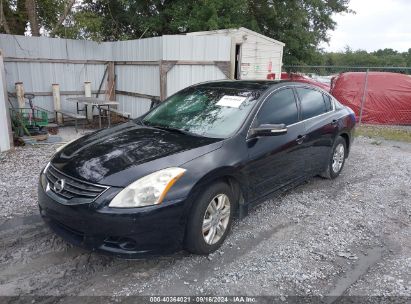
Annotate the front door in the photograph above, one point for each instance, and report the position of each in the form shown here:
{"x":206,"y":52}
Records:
{"x":275,"y":161}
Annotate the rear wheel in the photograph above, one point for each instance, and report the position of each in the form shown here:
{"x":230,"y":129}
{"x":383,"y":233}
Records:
{"x":210,"y":219}
{"x":337,"y":159}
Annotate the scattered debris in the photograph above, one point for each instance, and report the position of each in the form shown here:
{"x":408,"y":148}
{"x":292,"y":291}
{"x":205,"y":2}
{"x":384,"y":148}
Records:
{"x":347,"y":255}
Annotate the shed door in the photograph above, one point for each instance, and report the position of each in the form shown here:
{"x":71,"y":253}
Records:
{"x":237,"y":70}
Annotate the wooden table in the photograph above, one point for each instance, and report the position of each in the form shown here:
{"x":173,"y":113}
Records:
{"x":100,"y":104}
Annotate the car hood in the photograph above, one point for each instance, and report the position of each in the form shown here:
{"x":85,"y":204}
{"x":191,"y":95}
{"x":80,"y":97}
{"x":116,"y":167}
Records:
{"x":119,"y":155}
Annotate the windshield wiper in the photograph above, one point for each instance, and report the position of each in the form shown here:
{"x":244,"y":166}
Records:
{"x":176,"y":130}
{"x":140,"y":121}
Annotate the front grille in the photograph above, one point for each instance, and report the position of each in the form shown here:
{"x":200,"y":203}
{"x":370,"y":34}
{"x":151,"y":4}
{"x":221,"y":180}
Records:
{"x":73,"y":188}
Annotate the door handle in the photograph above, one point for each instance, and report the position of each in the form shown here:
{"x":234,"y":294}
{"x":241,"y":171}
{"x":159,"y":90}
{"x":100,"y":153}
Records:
{"x":334,"y":122}
{"x":300,"y":139}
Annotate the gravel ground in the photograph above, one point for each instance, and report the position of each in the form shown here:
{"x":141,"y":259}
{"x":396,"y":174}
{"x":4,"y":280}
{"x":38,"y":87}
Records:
{"x":350,"y":236}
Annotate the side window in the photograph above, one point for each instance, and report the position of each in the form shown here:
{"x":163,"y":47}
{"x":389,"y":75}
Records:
{"x":312,"y":102}
{"x":328,"y":102}
{"x":280,"y":107}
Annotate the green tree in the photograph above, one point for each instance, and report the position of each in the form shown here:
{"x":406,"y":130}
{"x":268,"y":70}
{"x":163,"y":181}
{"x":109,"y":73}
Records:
{"x":379,"y":58}
{"x":17,"y":16}
{"x":407,"y":57}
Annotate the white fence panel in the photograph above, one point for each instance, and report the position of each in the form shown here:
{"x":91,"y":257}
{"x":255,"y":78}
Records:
{"x":198,"y":48}
{"x":138,"y":50}
{"x":38,"y":77}
{"x":136,"y":106}
{"x":182,"y":76}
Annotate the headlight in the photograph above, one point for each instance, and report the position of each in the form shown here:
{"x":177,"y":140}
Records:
{"x":148,"y":190}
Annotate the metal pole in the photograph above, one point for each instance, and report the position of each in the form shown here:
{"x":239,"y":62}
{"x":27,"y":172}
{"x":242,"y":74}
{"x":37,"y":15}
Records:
{"x":364,"y":96}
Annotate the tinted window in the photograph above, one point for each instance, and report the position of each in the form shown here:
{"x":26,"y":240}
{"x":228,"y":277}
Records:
{"x":279,"y":108}
{"x":312,"y":102}
{"x":328,"y":104}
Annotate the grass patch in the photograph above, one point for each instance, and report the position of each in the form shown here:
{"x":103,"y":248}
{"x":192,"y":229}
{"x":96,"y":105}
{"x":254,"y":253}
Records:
{"x":384,"y":132}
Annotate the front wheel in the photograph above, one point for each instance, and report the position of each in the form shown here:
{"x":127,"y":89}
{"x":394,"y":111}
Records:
{"x":210,"y":219}
{"x":337,"y":160}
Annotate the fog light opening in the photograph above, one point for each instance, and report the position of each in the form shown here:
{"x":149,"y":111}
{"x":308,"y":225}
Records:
{"x":122,"y":243}
{"x":128,"y":245}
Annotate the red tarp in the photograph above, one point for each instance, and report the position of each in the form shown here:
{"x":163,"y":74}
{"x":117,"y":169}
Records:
{"x":301,"y":78}
{"x":388,"y":97}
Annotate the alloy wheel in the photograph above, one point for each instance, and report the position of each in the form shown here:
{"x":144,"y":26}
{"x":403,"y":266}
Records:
{"x":338,"y":158}
{"x":216,"y":219}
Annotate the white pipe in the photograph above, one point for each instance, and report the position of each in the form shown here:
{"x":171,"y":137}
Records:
{"x":87,"y":93}
{"x":20,"y":94}
{"x":57,"y":102}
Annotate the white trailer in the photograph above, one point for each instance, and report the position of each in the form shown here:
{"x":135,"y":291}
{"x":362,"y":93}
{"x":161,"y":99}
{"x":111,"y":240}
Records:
{"x":253,"y":56}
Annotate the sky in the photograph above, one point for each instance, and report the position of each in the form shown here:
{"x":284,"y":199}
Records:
{"x":377,"y":24}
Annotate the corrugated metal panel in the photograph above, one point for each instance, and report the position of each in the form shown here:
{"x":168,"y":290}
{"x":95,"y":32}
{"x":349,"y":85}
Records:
{"x":4,"y":127}
{"x":183,"y":76}
{"x":143,"y":50}
{"x":38,"y":77}
{"x":134,"y":105}
{"x":54,"y":48}
{"x":138,"y":79}
{"x":196,"y":48}
{"x":143,"y":79}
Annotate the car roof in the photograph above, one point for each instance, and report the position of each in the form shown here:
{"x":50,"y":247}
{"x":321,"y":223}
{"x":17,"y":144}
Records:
{"x":254,"y":85}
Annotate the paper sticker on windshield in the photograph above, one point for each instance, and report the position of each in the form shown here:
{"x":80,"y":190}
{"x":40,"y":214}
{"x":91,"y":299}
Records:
{"x":231,"y":101}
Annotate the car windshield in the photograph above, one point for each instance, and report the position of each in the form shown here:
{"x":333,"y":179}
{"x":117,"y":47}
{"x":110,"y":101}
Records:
{"x":204,"y":111}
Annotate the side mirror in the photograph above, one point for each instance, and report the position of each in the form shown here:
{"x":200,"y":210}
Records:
{"x":268,"y":130}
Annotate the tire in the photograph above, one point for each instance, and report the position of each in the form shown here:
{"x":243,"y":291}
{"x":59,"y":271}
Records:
{"x":201,"y":241}
{"x":337,"y":159}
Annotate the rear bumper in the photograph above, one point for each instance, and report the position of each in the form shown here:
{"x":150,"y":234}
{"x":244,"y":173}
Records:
{"x":127,"y":233}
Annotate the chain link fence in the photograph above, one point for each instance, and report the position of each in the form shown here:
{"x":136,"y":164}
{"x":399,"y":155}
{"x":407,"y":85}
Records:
{"x":335,"y":70}
{"x":378,"y":95}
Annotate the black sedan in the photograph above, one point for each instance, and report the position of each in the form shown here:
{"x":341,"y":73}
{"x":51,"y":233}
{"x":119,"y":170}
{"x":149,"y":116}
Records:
{"x":175,"y":177}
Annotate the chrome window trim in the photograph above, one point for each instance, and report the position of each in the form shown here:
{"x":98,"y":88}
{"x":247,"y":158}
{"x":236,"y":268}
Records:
{"x":297,"y":99}
{"x":311,"y":118}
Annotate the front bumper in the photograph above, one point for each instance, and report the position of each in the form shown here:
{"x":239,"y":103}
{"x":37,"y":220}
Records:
{"x":127,"y":233}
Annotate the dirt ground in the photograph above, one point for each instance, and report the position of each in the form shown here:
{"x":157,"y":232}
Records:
{"x":350,"y":236}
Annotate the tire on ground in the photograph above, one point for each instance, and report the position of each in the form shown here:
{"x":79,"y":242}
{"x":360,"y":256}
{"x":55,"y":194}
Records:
{"x":329,"y":172}
{"x":194,"y":240}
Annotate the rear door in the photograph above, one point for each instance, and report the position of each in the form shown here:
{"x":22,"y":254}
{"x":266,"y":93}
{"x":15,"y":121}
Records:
{"x":320,"y":127}
{"x":275,"y":161}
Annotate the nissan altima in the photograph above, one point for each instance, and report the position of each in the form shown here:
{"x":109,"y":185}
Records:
{"x":175,"y":178}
